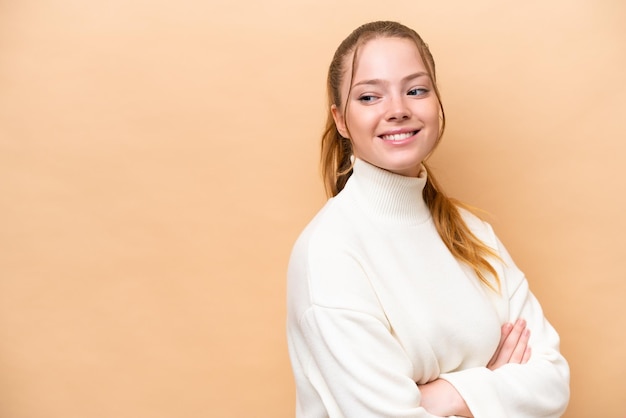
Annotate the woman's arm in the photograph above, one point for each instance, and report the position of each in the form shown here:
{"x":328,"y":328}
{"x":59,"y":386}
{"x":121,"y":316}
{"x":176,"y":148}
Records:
{"x":439,"y":397}
{"x":358,"y":366}
{"x":347,"y":361}
{"x":539,"y":387}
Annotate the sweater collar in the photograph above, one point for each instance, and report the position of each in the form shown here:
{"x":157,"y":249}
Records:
{"x":388,"y":196}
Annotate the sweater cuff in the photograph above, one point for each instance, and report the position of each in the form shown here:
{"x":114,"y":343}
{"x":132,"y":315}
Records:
{"x":483,"y":400}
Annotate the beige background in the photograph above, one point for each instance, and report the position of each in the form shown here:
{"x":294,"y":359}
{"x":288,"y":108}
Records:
{"x":159,"y":158}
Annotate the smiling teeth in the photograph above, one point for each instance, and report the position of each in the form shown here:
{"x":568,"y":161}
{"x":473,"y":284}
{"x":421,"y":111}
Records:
{"x":397,"y":137}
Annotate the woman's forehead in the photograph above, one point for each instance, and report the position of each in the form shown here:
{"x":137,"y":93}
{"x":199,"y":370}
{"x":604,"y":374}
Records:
{"x":384,"y":57}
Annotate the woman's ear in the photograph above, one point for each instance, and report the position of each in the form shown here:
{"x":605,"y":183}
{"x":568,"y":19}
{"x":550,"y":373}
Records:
{"x":340,"y":121}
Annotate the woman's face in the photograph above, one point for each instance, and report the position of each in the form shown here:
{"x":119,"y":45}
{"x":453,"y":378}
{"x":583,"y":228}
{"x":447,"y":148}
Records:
{"x":393,"y":112}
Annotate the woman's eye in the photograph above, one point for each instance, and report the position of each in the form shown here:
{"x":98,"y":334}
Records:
{"x":367,"y":98}
{"x":420,"y":91}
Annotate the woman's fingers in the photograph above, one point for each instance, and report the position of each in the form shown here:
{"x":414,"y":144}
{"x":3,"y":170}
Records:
{"x":527,"y":354}
{"x":510,"y":344}
{"x":520,"y":348}
{"x":513,"y":346}
{"x":505,"y":330}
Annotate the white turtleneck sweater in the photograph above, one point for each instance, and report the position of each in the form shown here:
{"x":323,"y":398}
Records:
{"x":376,"y":303}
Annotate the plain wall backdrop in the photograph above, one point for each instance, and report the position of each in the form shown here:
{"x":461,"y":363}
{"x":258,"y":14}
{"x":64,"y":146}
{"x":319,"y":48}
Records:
{"x":158,"y":159}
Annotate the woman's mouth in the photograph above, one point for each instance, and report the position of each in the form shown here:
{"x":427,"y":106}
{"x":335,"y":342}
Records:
{"x":398,"y":137}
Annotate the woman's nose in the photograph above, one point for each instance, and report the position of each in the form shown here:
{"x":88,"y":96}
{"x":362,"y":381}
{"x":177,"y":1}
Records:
{"x":398,"y":110}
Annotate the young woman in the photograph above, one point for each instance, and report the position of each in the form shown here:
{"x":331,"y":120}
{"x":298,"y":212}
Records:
{"x":400,"y":302}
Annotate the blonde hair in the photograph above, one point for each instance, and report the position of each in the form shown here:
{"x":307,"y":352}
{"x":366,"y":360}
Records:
{"x":336,"y":153}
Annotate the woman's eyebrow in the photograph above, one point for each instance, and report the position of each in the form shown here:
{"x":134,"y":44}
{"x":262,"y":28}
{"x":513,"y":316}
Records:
{"x":376,"y":81}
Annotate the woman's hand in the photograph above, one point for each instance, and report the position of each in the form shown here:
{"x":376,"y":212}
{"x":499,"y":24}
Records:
{"x":440,"y":398}
{"x":513,"y":346}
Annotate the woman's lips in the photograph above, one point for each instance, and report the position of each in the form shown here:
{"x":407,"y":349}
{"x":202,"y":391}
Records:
{"x":398,"y":137}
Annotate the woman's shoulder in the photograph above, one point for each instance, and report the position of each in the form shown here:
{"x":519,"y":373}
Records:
{"x":330,"y":228}
{"x":325,"y":266}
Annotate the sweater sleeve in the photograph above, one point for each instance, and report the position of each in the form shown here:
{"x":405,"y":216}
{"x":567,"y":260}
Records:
{"x":360,"y":366}
{"x":539,"y":388}
{"x":341,"y":340}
